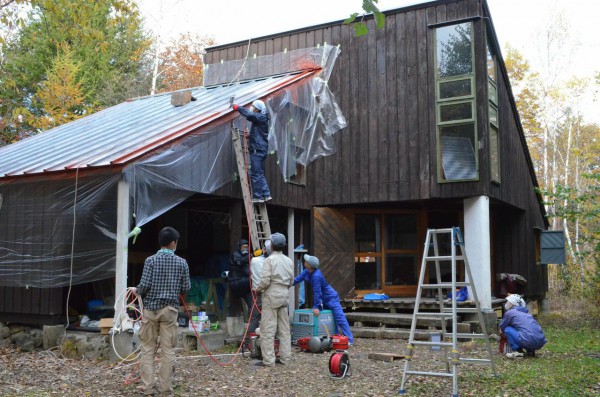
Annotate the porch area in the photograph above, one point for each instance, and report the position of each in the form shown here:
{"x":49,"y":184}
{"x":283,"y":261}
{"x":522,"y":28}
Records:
{"x":391,"y":318}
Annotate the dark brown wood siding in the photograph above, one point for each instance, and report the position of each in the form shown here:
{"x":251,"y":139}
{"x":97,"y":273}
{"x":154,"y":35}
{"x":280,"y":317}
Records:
{"x":385,"y":85}
{"x":334,"y":246}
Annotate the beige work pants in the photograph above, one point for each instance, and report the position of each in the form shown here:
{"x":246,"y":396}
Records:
{"x":275,"y":319}
{"x":161,"y":322}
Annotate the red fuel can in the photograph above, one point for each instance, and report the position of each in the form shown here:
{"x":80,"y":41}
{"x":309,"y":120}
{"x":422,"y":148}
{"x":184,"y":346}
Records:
{"x":340,"y":342}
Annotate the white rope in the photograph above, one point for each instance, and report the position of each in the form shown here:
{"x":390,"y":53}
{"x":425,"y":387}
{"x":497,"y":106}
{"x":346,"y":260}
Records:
{"x":122,"y":319}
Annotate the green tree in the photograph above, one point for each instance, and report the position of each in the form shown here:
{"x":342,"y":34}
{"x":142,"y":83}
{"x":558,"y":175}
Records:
{"x":107,"y":42}
{"x":370,"y":7}
{"x":60,"y":97}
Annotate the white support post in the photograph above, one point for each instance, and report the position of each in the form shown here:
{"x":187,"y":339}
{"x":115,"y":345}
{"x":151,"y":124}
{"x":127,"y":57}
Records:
{"x":477,"y":244}
{"x":122,"y":238}
{"x":291,"y":244}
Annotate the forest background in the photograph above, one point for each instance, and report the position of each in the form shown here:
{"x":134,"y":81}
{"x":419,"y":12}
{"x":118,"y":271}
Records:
{"x":61,"y":60}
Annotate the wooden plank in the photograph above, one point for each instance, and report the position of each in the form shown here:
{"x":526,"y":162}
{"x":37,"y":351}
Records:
{"x":333,"y":233}
{"x":424,"y":104}
{"x":387,"y":357}
{"x":404,"y":186}
{"x":412,"y":68}
{"x":434,"y":186}
{"x":391,"y":104}
{"x":345,"y":70}
{"x":361,"y":167}
{"x":373,"y":112}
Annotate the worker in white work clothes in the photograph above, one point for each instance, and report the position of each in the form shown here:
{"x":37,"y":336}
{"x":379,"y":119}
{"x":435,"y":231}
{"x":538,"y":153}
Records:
{"x":165,"y":277}
{"x":276,"y":277}
{"x":256,"y":265}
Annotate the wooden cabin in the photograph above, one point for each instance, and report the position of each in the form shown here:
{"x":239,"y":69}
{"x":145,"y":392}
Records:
{"x":432,"y":140}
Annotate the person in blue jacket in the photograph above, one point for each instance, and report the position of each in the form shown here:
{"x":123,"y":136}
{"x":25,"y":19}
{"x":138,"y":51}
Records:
{"x":258,"y":147}
{"x":324,"y":296}
{"x":523,"y":333}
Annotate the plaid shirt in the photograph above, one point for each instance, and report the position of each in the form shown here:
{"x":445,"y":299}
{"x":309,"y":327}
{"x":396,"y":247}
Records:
{"x":165,"y":276}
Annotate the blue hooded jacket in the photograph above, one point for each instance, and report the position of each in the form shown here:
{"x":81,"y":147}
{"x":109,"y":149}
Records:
{"x":323,"y":293}
{"x":259,"y":131}
{"x":530,"y":333}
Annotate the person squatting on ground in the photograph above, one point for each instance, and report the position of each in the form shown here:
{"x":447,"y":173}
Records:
{"x":276,"y":278}
{"x":324,"y":296}
{"x":258,"y":147}
{"x":164,"y":278}
{"x":521,"y":330}
{"x":256,"y":265}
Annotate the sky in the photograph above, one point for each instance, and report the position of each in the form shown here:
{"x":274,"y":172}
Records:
{"x":517,"y":22}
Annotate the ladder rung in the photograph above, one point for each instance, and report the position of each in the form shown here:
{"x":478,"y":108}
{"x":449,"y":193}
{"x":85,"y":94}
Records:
{"x":444,"y":374}
{"x":444,"y":258}
{"x":446,"y":285}
{"x":420,"y":342}
{"x":470,"y":336}
{"x":475,"y":360}
{"x":430,"y":314}
{"x":462,"y":309}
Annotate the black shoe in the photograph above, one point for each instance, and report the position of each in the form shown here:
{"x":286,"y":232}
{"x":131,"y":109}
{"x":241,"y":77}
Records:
{"x":530,"y":353}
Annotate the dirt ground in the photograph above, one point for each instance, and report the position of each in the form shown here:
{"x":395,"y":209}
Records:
{"x":46,"y":373}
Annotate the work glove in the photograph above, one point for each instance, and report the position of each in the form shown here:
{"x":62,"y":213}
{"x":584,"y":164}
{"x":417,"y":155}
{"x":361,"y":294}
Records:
{"x":235,"y":107}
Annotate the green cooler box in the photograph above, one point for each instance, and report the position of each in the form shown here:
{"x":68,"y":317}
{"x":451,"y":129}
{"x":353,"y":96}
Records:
{"x":306,"y":324}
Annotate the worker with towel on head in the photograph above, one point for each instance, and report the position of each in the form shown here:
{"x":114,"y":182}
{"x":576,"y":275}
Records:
{"x":523,"y":333}
{"x":276,"y":278}
{"x":256,"y":265}
{"x":324,"y":296}
{"x":258,"y":148}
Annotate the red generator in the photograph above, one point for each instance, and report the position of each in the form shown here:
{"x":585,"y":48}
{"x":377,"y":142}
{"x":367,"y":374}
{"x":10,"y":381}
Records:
{"x":340,"y":342}
{"x":303,"y":344}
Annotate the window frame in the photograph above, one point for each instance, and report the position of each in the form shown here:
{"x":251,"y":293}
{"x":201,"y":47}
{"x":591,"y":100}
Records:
{"x":439,"y":103}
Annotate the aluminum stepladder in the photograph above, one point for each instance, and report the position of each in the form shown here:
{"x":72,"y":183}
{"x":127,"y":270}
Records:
{"x":449,"y":340}
{"x":258,"y":219}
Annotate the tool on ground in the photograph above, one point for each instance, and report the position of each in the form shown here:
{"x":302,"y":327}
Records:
{"x":446,"y":313}
{"x":339,"y":365}
{"x":252,"y":345}
{"x":258,"y":219}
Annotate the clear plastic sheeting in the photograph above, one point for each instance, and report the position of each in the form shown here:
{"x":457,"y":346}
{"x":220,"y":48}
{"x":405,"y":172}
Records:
{"x":60,"y":229}
{"x":322,"y":57}
{"x":200,"y":163}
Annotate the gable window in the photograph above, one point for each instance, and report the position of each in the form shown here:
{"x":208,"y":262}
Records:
{"x":455,"y":104}
{"x":493,"y":115}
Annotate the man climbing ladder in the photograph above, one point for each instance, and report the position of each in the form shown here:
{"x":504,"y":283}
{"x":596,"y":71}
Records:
{"x":258,"y":148}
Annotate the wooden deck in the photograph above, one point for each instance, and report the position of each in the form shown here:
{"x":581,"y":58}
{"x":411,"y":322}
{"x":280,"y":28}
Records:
{"x":392,"y":318}
{"x":405,"y":305}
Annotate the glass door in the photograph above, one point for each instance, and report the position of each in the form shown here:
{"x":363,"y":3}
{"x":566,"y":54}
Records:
{"x":387,"y":254}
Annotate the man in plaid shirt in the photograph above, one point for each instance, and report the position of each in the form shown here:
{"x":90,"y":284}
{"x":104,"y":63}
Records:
{"x":165,"y":277}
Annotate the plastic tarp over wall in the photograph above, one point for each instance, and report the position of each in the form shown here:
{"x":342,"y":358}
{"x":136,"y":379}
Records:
{"x":57,"y":231}
{"x":61,"y":230}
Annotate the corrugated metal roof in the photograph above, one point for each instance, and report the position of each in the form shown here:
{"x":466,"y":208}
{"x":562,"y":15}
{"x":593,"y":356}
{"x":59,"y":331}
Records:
{"x":122,"y":133}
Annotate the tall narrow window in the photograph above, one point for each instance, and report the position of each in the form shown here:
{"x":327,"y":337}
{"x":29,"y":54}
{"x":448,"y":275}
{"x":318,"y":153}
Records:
{"x":493,"y":115}
{"x":455,"y":99}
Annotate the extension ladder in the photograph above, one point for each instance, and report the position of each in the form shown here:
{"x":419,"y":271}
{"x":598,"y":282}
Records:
{"x":446,"y":313}
{"x":258,"y":219}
